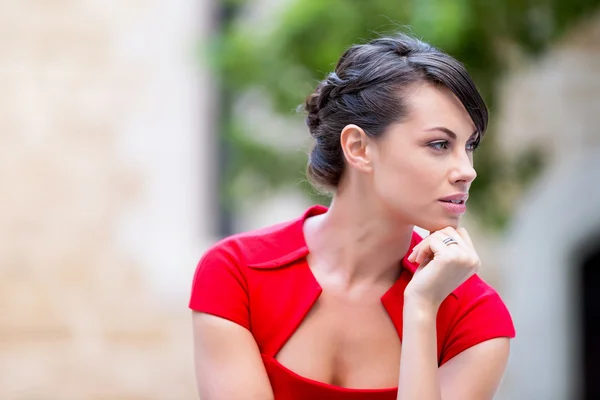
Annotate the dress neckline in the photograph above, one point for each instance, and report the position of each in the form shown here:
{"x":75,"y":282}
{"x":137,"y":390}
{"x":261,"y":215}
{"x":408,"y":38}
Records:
{"x":296,"y":258}
{"x":324,"y":385}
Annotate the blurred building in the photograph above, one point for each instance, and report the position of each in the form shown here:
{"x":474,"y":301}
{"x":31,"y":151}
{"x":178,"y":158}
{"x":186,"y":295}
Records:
{"x":107,"y":163}
{"x":550,"y":259}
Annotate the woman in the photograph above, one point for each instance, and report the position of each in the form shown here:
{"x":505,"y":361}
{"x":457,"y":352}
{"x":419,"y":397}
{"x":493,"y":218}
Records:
{"x":348,"y":302}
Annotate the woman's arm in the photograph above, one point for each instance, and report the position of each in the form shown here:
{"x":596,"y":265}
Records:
{"x":418,"y":360}
{"x":227,"y":360}
{"x":477,"y":372}
{"x":474,"y":374}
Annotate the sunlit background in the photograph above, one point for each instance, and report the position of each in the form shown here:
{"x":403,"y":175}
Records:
{"x":134,"y":134}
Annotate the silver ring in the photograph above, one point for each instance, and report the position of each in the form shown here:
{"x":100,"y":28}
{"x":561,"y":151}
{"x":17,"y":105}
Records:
{"x":450,"y":240}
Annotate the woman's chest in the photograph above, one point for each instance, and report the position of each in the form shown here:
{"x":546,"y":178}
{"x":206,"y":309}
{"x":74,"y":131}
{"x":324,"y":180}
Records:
{"x":345,"y":342}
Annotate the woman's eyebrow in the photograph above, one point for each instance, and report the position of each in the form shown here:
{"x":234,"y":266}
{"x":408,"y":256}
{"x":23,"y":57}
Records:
{"x":447,"y":131}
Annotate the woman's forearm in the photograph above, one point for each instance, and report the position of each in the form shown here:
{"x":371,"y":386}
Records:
{"x":418,"y":363}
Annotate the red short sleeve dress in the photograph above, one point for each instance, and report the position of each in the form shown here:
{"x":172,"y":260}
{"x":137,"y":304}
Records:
{"x":261,"y":281}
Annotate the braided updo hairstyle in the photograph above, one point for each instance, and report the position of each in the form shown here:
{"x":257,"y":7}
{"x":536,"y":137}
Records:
{"x":366,"y":89}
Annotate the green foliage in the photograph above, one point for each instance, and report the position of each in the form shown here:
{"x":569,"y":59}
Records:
{"x":286,"y":57}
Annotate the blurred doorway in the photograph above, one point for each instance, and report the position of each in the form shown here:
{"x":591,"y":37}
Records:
{"x":590,"y":344}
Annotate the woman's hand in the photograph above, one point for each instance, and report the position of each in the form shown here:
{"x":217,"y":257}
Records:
{"x":442,"y":267}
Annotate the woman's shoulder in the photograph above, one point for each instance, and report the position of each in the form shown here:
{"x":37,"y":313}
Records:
{"x":233,"y":268}
{"x":476,"y":314}
{"x":474,"y":297}
{"x":264,"y":248}
{"x":475,"y":288}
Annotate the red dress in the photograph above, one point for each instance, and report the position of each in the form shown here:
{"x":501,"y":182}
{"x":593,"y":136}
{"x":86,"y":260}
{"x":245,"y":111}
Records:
{"x":261,"y":281}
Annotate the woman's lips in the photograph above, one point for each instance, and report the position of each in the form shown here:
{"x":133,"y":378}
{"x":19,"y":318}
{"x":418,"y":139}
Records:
{"x":454,"y":208}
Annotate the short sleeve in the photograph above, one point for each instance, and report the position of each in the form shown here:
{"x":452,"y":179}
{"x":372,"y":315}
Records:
{"x":481,"y":315}
{"x":219,"y":287}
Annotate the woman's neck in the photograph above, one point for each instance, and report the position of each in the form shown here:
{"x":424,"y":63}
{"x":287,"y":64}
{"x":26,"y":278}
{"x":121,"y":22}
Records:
{"x":356,"y":240}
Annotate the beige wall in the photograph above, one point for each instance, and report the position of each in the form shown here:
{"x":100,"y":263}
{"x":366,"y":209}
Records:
{"x":553,"y":103}
{"x":105,"y":166}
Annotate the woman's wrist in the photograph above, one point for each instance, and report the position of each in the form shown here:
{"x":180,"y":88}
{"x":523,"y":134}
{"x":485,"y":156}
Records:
{"x":419,"y":308}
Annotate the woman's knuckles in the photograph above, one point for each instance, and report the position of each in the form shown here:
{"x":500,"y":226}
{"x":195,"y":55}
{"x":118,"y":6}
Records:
{"x":459,"y":260}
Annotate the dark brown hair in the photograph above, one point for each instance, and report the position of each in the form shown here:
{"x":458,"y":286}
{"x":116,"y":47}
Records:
{"x":366,"y":89}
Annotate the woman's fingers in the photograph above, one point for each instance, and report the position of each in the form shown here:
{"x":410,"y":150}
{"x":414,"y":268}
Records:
{"x":422,"y":251}
{"x":426,"y":249}
{"x":454,"y":234}
{"x":434,"y":243}
{"x":443,"y":265}
{"x":416,"y":255}
{"x":413,"y":254}
{"x":437,"y":244}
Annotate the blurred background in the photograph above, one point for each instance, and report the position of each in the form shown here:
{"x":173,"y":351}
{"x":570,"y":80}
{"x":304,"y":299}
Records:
{"x":135,"y":134}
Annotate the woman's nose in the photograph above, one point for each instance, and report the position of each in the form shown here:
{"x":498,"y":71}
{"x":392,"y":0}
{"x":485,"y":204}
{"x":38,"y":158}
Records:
{"x":463,"y":170}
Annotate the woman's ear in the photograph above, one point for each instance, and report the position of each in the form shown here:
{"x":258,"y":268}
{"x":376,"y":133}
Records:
{"x":356,"y":147}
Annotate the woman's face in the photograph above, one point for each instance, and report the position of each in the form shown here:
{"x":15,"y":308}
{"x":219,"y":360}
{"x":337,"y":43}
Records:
{"x":418,"y":163}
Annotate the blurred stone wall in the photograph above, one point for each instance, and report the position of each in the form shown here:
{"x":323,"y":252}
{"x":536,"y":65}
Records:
{"x":553,"y":103}
{"x":104,"y":196}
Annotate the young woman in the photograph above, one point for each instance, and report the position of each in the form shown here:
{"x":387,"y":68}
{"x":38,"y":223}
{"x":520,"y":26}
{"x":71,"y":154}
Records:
{"x":348,"y":302}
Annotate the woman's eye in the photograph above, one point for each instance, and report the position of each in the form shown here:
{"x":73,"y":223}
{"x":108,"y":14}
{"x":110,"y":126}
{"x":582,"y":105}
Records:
{"x":472,"y":145}
{"x":443,"y":145}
